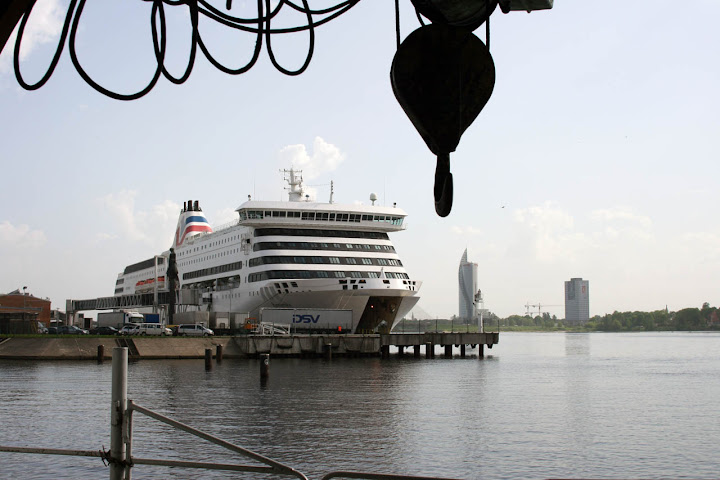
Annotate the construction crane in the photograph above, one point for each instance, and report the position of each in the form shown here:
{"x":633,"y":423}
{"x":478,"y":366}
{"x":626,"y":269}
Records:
{"x":539,"y":306}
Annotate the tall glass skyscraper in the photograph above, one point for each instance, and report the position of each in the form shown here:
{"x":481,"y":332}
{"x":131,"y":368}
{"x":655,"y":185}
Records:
{"x":467,"y":286}
{"x":577,"y":301}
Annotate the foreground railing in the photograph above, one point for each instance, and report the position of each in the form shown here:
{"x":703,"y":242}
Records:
{"x":121,"y":460}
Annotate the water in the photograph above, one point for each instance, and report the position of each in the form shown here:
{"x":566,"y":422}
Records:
{"x":640,"y":405}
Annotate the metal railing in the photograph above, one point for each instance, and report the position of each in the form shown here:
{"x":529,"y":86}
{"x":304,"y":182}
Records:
{"x":120,"y":457}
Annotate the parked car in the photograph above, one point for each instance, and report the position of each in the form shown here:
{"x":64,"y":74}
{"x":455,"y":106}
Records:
{"x":129,"y":329}
{"x":104,"y":331}
{"x":71,"y":330}
{"x":153,"y":329}
{"x":42,"y":328}
{"x":52,"y":330}
{"x":195,"y":330}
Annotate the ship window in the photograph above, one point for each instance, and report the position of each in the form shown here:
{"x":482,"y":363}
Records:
{"x":335,"y":260}
{"x":317,"y":259}
{"x":367,"y":261}
{"x":373,"y":275}
{"x":339,"y":274}
{"x":351,"y":261}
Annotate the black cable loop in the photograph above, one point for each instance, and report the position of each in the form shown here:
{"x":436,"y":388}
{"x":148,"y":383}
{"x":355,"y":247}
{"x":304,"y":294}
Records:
{"x":311,"y":47}
{"x":56,"y":56}
{"x":256,"y":52}
{"x":260,"y":26}
{"x":229,"y":20}
{"x":192,"y":6}
{"x":157,"y":5}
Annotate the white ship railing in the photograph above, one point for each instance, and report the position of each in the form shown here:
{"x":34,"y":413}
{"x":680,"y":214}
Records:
{"x":267,"y":328}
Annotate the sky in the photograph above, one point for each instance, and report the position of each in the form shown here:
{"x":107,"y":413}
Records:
{"x":596,"y":156}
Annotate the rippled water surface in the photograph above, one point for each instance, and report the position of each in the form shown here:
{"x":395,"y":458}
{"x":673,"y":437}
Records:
{"x":539,"y":405}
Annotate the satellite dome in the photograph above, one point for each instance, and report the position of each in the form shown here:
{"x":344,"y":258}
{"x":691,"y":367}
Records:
{"x":373,"y":198}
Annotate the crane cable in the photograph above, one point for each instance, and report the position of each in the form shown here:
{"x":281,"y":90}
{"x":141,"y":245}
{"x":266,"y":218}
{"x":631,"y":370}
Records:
{"x":261,"y":26}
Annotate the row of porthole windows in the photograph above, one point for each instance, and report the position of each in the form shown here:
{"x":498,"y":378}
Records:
{"x":319,"y":216}
{"x":211,"y":257}
{"x":294,"y":274}
{"x":208,"y":245}
{"x":311,"y":232}
{"x":254,"y":262}
{"x":213,"y":270}
{"x":350,"y":247}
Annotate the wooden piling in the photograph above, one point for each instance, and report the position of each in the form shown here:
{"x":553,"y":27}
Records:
{"x":429,"y":347}
{"x":264,"y":365}
{"x":481,"y":351}
{"x":416,"y":351}
{"x":462,"y":351}
{"x":448,"y":351}
{"x":100,"y":353}
{"x":219,"y":354}
{"x":208,"y":359}
{"x":328,"y":351}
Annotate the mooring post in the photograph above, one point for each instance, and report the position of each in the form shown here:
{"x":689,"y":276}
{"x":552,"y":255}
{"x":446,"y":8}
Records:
{"x":429,"y":349}
{"x":481,"y":351}
{"x":401,"y":350}
{"x":100,"y":353}
{"x":264,"y":365}
{"x":416,"y":351}
{"x":462,"y":351}
{"x":328,"y":351}
{"x":219,"y":354}
{"x":208,"y":359}
{"x":385,"y":351}
{"x":118,"y":406}
{"x":448,"y":351}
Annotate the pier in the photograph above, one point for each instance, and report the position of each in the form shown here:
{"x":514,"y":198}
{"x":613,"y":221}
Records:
{"x":85,"y":347}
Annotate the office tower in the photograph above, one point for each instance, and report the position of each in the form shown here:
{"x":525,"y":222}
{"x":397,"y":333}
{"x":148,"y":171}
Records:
{"x":577,"y":301}
{"x":467,"y":286}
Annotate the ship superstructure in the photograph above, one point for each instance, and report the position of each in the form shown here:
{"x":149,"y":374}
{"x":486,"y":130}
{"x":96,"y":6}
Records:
{"x":296,"y":254}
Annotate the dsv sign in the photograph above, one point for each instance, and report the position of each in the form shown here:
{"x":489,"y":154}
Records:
{"x":306,"y":318}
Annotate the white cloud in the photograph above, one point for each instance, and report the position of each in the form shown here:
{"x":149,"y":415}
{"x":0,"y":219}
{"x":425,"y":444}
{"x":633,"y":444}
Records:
{"x":324,"y":159}
{"x":21,"y":236}
{"x":621,"y":214}
{"x":466,"y":230}
{"x":44,"y":26}
{"x":154,"y":227}
{"x":549,"y":231}
{"x":224,"y":216}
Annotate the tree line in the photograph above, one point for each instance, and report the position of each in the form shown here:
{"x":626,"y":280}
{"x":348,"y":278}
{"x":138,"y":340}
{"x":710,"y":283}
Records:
{"x":704,"y":318}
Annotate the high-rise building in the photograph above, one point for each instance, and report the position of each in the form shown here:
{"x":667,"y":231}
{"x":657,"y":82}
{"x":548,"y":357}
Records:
{"x":467,"y":286}
{"x":577,"y":301}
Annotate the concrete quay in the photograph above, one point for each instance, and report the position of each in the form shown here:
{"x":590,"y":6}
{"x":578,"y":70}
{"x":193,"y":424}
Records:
{"x":242,"y":346}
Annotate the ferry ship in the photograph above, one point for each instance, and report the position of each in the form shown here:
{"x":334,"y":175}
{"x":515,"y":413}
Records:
{"x":295,"y":254}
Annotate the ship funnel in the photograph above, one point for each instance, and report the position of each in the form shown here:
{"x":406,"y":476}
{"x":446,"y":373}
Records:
{"x":190,"y":223}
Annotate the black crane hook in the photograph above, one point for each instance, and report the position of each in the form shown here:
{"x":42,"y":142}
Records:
{"x":442,"y":76}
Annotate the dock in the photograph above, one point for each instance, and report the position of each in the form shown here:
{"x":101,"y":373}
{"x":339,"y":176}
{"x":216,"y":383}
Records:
{"x":89,"y":347}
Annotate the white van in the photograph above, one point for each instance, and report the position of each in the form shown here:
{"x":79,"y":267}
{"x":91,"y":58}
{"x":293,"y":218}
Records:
{"x":152,"y":329}
{"x":194,"y":330}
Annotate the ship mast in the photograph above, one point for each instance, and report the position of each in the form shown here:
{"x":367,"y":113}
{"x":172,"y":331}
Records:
{"x":295,"y":189}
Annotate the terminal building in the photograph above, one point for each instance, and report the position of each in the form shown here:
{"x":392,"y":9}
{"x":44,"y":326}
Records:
{"x":577,"y":301}
{"x":20,"y":312}
{"x":467,"y":286}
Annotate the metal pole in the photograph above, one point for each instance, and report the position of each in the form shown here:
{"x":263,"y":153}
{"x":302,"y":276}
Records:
{"x":117,"y":409}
